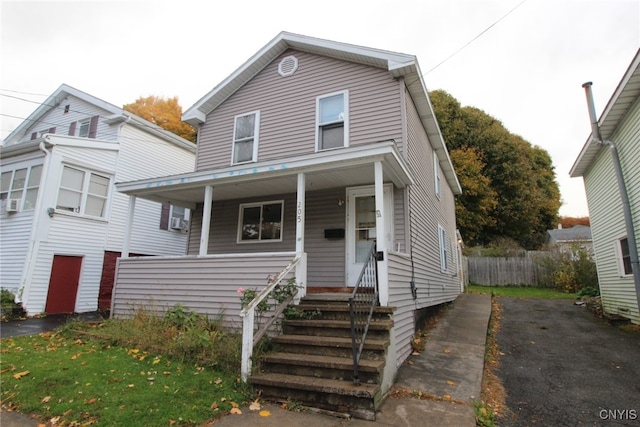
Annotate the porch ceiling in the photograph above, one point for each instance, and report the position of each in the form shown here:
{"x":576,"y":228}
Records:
{"x":339,"y":168}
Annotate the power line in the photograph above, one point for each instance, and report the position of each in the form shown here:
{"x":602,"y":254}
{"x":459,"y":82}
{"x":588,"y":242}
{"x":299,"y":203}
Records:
{"x":476,"y":37}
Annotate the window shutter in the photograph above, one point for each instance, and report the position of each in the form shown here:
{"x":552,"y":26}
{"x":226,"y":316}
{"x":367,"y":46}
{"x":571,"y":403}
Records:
{"x":34,"y":135}
{"x":164,"y":216}
{"x":72,"y":128}
{"x":52,"y":130}
{"x":93,"y":126}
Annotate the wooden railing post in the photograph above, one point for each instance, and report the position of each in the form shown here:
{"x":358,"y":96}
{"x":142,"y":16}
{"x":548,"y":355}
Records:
{"x":247,"y":343}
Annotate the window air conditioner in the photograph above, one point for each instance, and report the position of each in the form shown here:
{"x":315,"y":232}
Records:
{"x":13,"y":205}
{"x":176,"y":223}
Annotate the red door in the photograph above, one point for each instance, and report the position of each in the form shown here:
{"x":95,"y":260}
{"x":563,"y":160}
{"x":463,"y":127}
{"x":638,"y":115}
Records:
{"x":63,"y":284}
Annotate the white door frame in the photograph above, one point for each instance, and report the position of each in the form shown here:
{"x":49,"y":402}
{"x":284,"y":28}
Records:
{"x":352,"y":268}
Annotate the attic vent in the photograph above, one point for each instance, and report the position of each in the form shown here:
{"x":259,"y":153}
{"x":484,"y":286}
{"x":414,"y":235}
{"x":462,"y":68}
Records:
{"x":288,"y":66}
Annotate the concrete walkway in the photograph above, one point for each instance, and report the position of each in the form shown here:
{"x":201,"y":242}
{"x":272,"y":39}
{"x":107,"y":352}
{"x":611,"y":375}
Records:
{"x":448,"y":374}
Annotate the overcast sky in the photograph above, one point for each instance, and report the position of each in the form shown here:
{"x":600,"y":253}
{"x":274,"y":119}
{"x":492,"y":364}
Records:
{"x":526,"y":69}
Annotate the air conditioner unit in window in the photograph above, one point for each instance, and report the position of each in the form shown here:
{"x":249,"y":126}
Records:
{"x":179,"y":223}
{"x":13,"y":205}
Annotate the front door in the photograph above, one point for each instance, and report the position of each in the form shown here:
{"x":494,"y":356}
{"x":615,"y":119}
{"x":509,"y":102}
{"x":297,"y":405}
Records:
{"x":361,"y":226}
{"x":63,"y":284}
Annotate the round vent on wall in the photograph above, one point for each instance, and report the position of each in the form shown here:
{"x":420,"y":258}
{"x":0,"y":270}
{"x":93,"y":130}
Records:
{"x":288,"y":66}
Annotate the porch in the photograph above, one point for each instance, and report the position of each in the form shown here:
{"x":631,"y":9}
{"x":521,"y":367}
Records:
{"x":331,"y":206}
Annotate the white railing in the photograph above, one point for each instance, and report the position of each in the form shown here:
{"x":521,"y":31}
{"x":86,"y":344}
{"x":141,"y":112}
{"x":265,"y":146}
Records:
{"x":248,"y":319}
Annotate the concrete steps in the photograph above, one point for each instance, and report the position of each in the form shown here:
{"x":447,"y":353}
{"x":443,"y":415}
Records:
{"x":312,"y":362}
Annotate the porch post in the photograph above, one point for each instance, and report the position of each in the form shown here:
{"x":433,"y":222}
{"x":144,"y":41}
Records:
{"x":381,"y":233}
{"x":128,"y":227}
{"x":206,"y":220}
{"x":301,"y":269}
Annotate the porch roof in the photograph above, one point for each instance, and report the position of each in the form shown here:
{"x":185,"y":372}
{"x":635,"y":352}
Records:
{"x":337,"y":168}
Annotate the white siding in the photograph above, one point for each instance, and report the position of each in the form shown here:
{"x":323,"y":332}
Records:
{"x":143,"y":155}
{"x":607,"y":218}
{"x":15,"y":229}
{"x":78,"y":110}
{"x":72,"y":236}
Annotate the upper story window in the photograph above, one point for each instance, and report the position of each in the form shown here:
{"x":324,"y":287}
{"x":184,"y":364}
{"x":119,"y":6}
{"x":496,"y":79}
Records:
{"x":260,"y":222}
{"x":83,"y":192}
{"x":87,"y":128}
{"x":625,"y":257}
{"x":245,"y":138}
{"x":22,"y":186}
{"x":436,"y":174}
{"x":332,"y":121}
{"x":83,"y":128}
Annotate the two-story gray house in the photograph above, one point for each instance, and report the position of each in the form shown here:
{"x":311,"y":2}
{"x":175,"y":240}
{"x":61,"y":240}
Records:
{"x":309,"y":153}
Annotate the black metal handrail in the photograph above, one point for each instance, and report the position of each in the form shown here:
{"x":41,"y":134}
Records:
{"x":361,"y":304}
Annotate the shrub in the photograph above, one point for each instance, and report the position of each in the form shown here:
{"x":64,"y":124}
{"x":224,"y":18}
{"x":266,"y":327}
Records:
{"x":571,"y":271}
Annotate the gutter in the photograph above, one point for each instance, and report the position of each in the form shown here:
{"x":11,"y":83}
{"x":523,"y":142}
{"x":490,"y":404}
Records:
{"x":624,"y":195}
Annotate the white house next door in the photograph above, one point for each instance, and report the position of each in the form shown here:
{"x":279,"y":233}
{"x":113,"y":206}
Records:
{"x":361,"y":226}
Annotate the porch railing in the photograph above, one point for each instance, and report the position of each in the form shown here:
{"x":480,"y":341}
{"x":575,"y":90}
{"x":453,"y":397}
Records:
{"x":249,"y":338}
{"x":361,"y":304}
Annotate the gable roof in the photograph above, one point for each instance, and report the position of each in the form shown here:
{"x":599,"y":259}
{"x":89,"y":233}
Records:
{"x":625,"y":95}
{"x":115,"y":115}
{"x":398,"y":65}
{"x":577,"y":233}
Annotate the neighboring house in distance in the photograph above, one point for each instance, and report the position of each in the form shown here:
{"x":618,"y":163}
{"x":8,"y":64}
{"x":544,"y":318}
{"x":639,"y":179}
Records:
{"x":619,"y":125}
{"x":565,"y":239}
{"x":311,"y":150}
{"x":62,"y":222}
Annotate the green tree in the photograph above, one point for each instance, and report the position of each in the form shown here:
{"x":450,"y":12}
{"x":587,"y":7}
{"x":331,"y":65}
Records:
{"x":526,"y":197}
{"x":164,"y":112}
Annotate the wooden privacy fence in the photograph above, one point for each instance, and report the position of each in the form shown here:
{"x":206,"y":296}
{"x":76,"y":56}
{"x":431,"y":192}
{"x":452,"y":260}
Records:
{"x":495,"y":271}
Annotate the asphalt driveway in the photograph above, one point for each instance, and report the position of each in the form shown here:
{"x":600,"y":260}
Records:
{"x":563,"y":367}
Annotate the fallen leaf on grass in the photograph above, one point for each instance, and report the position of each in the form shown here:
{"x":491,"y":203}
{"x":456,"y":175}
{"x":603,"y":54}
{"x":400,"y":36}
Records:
{"x":265,"y":413}
{"x":21,"y":374}
{"x":45,"y":399}
{"x":218,"y":381}
{"x":214,"y":406}
{"x":235,"y":411}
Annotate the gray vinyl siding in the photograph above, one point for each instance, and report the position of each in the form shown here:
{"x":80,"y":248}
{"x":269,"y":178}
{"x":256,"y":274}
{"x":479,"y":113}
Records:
{"x":287,"y":108}
{"x":208,"y":285}
{"x":400,"y":297}
{"x":607,"y":217}
{"x":326,"y":256}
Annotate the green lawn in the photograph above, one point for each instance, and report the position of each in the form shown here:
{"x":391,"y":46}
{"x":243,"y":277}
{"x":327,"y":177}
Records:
{"x":520,"y":291}
{"x":77,"y":381}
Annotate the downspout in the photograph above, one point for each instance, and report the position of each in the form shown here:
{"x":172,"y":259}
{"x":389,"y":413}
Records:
{"x":626,"y":205}
{"x":34,"y":244}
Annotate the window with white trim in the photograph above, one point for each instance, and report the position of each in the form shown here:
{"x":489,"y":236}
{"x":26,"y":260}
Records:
{"x":83,"y":128}
{"x":83,"y":192}
{"x":436,"y":174}
{"x":245,"y":138}
{"x":444,"y":248}
{"x":260,"y":222}
{"x":625,"y":257}
{"x":332,"y":121}
{"x":21,"y":184}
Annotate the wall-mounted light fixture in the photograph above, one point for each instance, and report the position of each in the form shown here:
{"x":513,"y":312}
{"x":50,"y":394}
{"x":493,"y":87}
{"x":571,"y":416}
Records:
{"x":340,"y":202}
{"x":50,"y":212}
